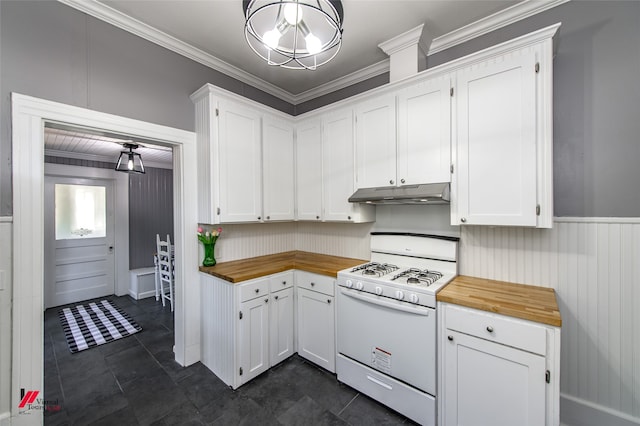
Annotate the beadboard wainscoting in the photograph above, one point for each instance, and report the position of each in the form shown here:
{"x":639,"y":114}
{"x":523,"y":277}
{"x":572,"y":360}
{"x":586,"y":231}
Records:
{"x":594,"y":266}
{"x":250,"y":240}
{"x":6,"y":246}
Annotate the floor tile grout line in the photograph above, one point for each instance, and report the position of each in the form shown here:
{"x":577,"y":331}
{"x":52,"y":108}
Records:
{"x":348,"y":404}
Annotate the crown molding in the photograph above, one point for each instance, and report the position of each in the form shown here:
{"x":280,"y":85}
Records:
{"x":404,"y":40}
{"x":345,"y":81}
{"x":136,"y":27}
{"x":500,"y":19}
{"x":483,"y":26}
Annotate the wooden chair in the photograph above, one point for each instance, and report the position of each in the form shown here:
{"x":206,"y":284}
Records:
{"x":165,"y":270}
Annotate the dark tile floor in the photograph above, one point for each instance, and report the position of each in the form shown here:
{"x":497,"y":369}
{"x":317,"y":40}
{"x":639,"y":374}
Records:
{"x":135,"y":381}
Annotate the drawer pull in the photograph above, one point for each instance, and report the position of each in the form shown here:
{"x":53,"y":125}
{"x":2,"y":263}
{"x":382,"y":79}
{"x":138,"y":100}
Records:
{"x":328,"y":300}
{"x":284,"y":283}
{"x":490,"y":329}
{"x":266,"y":300}
{"x":276,"y":297}
{"x":313,"y":284}
{"x":450,"y":338}
{"x":257,"y":290}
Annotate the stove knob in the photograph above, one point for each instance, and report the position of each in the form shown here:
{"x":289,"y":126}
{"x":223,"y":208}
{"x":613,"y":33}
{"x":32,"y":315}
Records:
{"x":399,"y":295}
{"x":379,"y":290}
{"x":349,"y":283}
{"x":413,"y":298}
{"x":359,"y":285}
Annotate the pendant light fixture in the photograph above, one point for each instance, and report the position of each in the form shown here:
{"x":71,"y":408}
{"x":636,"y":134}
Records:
{"x":294,"y":34}
{"x":129,"y":161}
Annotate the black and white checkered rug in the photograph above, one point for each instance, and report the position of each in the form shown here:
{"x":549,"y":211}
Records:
{"x":96,"y":323}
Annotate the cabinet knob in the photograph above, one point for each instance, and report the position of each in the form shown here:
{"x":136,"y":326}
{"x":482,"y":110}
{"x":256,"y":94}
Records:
{"x":257,"y":290}
{"x":317,"y":217}
{"x":391,"y":181}
{"x":284,"y":283}
{"x":349,"y":217}
{"x":312,"y":284}
{"x":259,"y":217}
{"x":402,"y":181}
{"x":268,"y":217}
{"x":276,"y":297}
{"x":490,"y":329}
{"x":450,"y":338}
{"x":328,"y":300}
{"x":266,"y":300}
{"x":463,"y":219}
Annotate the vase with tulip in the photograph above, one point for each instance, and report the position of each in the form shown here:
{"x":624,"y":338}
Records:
{"x":208,"y":240}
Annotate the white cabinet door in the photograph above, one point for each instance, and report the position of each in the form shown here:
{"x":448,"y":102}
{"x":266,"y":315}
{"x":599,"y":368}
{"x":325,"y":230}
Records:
{"x":489,"y":384}
{"x":240,"y":164}
{"x":281,"y":325}
{"x":496,"y":142}
{"x":376,"y":142}
{"x":316,"y":328}
{"x":309,"y":170}
{"x":278,"y":173}
{"x":338,"y":166}
{"x":253,"y":338}
{"x":424,"y":132}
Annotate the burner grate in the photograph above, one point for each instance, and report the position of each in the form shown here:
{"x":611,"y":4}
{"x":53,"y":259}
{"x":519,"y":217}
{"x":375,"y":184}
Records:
{"x":418,"y":276}
{"x":375,"y":269}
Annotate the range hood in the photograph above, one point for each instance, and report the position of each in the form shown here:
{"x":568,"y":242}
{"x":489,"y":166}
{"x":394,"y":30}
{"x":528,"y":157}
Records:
{"x":431,"y":193}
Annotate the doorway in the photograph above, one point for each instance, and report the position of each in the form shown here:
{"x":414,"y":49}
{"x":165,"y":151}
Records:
{"x":29,"y":116}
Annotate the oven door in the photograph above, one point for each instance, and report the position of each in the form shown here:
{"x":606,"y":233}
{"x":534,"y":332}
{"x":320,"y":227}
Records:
{"x":396,"y":338}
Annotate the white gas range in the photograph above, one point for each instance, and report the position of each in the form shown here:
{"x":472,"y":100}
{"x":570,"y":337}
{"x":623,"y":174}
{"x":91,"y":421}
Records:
{"x":386,"y":320}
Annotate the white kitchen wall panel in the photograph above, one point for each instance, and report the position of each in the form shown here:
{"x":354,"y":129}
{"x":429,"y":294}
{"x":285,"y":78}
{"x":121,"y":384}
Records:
{"x":337,"y":239}
{"x":594,"y":266}
{"x":6,"y":260}
{"x":249,"y":240}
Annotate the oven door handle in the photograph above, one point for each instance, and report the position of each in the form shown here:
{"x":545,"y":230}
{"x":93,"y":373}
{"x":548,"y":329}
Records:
{"x":376,"y":300}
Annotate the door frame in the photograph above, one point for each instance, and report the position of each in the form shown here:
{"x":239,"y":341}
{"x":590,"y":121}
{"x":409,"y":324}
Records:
{"x":29,"y":115}
{"x":120,"y":182}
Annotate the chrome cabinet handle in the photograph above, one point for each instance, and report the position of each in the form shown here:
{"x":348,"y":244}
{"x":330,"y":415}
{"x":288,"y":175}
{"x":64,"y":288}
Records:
{"x":463,"y":219}
{"x":490,"y":329}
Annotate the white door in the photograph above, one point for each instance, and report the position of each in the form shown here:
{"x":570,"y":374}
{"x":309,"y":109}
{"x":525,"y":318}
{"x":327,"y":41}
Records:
{"x":316,"y":328}
{"x":488,"y":384}
{"x":78,"y":240}
{"x":309,"y":170}
{"x":278,"y":169}
{"x":281,"y":325}
{"x":254,"y":338}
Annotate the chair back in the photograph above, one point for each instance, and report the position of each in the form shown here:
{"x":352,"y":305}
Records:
{"x":165,"y":259}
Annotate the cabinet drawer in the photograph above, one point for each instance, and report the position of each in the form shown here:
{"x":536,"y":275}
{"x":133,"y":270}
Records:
{"x":320,"y":283}
{"x":281,"y":281}
{"x":513,"y":332}
{"x":254,"y":289}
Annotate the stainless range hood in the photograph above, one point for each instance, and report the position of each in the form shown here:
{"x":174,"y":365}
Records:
{"x":431,"y":193}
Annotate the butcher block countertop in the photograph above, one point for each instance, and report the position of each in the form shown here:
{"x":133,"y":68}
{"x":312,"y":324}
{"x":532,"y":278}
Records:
{"x":256,"y":267}
{"x":515,"y":300}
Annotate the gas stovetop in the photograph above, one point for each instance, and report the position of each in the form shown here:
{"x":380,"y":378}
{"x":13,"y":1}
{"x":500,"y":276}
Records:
{"x":415,"y":277}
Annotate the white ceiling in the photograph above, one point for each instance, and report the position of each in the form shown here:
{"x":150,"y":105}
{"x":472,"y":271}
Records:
{"x":212,"y":32}
{"x":82,"y":144}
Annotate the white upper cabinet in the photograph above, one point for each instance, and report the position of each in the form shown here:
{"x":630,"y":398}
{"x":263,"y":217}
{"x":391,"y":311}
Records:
{"x":376,"y":142}
{"x":424,"y":132}
{"x":309,"y":170}
{"x":503,"y":161}
{"x":338,"y":173}
{"x":278,"y":169}
{"x":240,"y":163}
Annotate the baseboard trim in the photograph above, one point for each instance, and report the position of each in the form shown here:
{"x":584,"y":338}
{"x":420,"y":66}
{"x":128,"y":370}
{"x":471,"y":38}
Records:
{"x":579,"y":412}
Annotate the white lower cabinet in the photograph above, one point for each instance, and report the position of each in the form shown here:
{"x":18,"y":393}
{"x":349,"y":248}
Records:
{"x":316,"y":319}
{"x":496,"y":370}
{"x":281,"y":322}
{"x":253,"y":336}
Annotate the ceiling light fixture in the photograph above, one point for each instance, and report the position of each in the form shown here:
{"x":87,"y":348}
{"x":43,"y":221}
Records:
{"x":129,"y":161}
{"x":294,"y":34}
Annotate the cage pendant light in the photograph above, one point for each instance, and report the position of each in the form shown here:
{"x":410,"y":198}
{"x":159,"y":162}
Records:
{"x":294,"y":34}
{"x":129,"y":161}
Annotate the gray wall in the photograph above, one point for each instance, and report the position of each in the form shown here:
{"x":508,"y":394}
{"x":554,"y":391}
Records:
{"x":52,"y":51}
{"x":150,"y":213}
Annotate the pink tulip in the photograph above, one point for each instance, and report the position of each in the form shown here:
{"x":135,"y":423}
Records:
{"x":199,"y":230}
